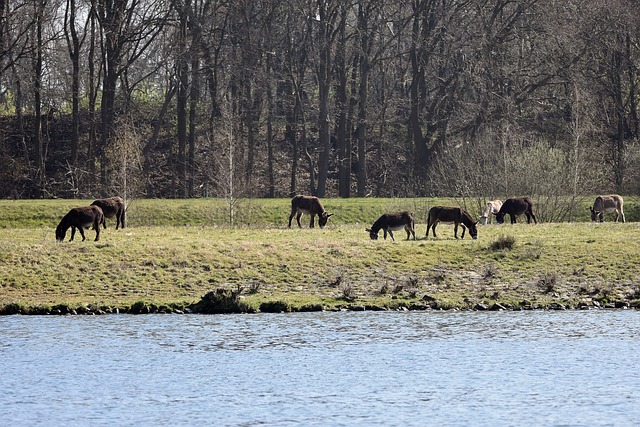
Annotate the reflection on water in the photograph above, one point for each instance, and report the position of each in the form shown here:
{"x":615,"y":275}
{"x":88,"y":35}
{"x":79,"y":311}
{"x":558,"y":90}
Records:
{"x":416,"y":368}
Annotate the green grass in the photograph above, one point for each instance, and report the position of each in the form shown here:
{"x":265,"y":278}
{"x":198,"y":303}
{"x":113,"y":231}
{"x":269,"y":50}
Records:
{"x":253,"y":212}
{"x":161,"y":267}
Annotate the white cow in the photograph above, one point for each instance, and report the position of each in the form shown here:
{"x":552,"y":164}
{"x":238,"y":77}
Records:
{"x":490,"y":209}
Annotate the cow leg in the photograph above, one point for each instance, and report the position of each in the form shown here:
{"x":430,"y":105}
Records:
{"x":410,"y":232}
{"x":298,"y":215}
{"x":433,"y":228}
{"x":622,"y":215}
{"x":311,"y":223}
{"x":390,"y":234}
{"x":464,"y":229}
{"x":81,"y":233}
{"x":513,"y":218}
{"x":291,"y":217}
{"x":73,"y":233}
{"x":616,"y":215}
{"x":601,"y":216}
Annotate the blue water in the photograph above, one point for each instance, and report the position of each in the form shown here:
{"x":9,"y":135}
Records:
{"x":326,"y":369}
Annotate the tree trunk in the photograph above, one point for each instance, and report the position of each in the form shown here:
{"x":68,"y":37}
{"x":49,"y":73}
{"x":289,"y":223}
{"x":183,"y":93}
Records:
{"x":270,"y":156}
{"x":323,"y":72}
{"x":93,"y":94}
{"x":194,"y":97}
{"x":291,"y":136}
{"x":37,"y":97}
{"x":344,"y":150}
{"x":363,"y":90}
{"x":73,"y":43}
{"x":181,"y":106}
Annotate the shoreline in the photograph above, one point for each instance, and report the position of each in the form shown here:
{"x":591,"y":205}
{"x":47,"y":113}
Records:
{"x":275,"y":307}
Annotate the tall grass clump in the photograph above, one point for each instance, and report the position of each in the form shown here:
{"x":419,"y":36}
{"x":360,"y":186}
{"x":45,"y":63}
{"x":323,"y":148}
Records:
{"x":503,"y":243}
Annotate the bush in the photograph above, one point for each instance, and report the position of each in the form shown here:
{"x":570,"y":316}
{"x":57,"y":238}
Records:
{"x":222,"y":301}
{"x":503,"y":243}
{"x":275,"y":307}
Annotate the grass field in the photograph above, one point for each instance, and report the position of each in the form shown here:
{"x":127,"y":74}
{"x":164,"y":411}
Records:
{"x":174,"y":252}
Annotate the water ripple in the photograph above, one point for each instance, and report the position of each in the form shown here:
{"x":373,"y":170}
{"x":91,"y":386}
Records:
{"x":382,"y":368}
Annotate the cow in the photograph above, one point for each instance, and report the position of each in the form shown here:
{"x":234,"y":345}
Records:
{"x":514,"y":207}
{"x":391,"y":222}
{"x":112,"y":207}
{"x":451,"y":215}
{"x":490,"y":209}
{"x":80,"y":218}
{"x":309,"y":205}
{"x":607,"y":204}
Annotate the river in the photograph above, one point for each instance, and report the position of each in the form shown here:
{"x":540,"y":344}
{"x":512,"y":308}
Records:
{"x":569,"y":368}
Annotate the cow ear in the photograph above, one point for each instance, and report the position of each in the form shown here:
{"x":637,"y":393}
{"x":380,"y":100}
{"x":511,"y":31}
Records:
{"x":368,"y":230}
{"x":328,"y":215}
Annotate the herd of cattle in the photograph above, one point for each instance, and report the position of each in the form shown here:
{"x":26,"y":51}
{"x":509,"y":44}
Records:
{"x":390,"y":222}
{"x":95,"y":215}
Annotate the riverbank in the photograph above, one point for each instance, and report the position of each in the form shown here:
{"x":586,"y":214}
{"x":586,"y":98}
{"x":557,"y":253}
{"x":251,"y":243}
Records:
{"x":211,"y":269}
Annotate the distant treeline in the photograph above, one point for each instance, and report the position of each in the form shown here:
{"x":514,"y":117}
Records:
{"x":270,"y":98}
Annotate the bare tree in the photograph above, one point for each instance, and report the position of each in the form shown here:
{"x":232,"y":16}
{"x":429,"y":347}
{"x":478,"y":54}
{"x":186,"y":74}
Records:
{"x":128,"y":28}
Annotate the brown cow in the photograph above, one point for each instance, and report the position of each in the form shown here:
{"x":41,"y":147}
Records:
{"x":607,"y":204}
{"x":451,"y":215}
{"x":80,"y":218}
{"x":310,"y":205}
{"x":393,"y":222}
{"x":112,"y":207}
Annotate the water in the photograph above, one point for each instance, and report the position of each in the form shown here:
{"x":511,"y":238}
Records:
{"x":326,"y":369}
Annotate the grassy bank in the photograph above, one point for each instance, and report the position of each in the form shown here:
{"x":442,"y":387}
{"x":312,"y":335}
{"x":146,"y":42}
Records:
{"x":268,"y":267}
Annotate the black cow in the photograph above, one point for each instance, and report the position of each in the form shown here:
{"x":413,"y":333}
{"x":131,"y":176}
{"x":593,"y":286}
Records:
{"x":514,"y":207}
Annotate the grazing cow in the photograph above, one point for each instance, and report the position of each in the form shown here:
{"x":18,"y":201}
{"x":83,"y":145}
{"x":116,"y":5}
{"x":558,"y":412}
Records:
{"x":80,"y":218}
{"x":607,"y":204}
{"x":393,"y":222}
{"x":490,"y":209}
{"x":451,"y":215}
{"x":514,"y":207}
{"x":310,"y":205}
{"x":112,"y":207}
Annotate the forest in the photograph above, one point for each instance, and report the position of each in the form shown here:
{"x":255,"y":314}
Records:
{"x":335,"y":98}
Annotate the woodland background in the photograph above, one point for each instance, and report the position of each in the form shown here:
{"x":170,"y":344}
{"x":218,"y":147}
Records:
{"x":250,"y":98}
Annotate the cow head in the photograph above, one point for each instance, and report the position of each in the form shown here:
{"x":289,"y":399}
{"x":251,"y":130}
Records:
{"x":500,"y":217}
{"x":323,"y":218}
{"x":473,"y":230}
{"x":372,"y":234}
{"x":60,"y":233}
